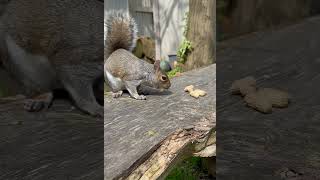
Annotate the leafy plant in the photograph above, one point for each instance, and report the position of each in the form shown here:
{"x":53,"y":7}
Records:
{"x":186,"y":26}
{"x":187,"y":170}
{"x":174,"y":72}
{"x":186,"y":46}
{"x":184,"y":49}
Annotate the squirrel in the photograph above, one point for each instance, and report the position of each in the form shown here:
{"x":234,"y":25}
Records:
{"x":123,"y":70}
{"x":48,"y":45}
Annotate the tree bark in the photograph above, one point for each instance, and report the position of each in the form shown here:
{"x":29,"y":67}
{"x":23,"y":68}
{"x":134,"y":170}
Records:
{"x":251,"y":15}
{"x":201,"y":33}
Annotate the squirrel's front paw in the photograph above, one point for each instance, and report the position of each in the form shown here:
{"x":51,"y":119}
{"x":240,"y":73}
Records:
{"x":117,"y":94}
{"x":38,"y":103}
{"x":33,"y":105}
{"x":141,"y":97}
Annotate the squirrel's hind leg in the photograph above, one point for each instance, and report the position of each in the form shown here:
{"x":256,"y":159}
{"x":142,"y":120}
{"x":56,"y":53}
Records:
{"x":78,"y":79}
{"x":131,"y":86}
{"x":83,"y":95}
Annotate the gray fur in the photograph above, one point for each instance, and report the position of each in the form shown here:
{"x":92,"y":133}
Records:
{"x":123,"y":70}
{"x":125,"y":22}
{"x":49,"y":44}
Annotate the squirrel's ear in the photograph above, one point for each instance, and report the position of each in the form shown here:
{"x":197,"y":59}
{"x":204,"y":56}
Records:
{"x":157,"y":65}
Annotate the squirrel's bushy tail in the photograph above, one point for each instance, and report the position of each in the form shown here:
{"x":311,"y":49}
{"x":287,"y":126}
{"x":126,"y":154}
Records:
{"x":120,"y":32}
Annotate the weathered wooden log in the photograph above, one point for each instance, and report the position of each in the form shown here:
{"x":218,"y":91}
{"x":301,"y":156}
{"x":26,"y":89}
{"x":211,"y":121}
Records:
{"x":147,"y":138}
{"x":59,"y":143}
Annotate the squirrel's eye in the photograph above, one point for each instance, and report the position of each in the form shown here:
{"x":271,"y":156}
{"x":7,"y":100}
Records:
{"x":163,"y":78}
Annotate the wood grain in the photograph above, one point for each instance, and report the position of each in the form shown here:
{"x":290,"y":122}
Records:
{"x":60,"y":143}
{"x":251,"y":145}
{"x":133,"y":128}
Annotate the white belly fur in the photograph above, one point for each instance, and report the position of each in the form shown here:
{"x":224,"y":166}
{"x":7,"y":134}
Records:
{"x":115,"y":83}
{"x":34,"y":71}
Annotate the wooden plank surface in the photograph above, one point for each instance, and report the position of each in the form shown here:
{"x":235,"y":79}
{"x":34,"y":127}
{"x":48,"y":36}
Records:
{"x":133,"y":128}
{"x":60,"y":143}
{"x":286,"y":143}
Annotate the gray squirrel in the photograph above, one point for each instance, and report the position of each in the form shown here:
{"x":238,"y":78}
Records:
{"x":48,"y":45}
{"x":123,"y":70}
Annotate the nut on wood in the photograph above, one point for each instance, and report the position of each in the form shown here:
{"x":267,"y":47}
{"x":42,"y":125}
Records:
{"x":278,"y":98}
{"x":262,"y":99}
{"x":195,"y":93}
{"x":189,"y":88}
{"x":258,"y":102}
{"x":244,"y":86}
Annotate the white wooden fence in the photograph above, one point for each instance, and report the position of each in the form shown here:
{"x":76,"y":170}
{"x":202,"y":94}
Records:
{"x":171,"y":15}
